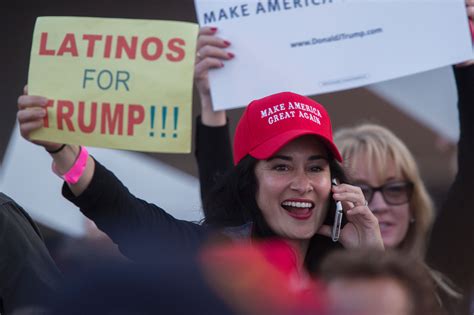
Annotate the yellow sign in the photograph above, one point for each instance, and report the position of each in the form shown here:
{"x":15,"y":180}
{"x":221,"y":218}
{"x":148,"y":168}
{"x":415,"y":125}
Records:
{"x":115,"y":83}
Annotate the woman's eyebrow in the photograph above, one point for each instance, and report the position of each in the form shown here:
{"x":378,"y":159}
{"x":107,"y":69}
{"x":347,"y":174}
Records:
{"x":280,"y":157}
{"x":318,"y":157}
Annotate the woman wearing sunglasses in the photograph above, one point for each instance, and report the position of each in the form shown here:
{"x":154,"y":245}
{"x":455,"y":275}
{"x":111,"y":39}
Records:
{"x":382,"y":166}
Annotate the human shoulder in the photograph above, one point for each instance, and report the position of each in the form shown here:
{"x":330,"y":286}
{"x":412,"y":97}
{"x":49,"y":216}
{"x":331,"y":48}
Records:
{"x":5,"y":199}
{"x":7,"y":203}
{"x":14,"y":216}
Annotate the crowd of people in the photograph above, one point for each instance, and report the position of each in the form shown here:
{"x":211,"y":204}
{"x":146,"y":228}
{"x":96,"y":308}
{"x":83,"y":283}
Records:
{"x":269,"y":204}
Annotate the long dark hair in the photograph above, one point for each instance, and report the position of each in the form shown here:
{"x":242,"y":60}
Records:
{"x":232,"y":202}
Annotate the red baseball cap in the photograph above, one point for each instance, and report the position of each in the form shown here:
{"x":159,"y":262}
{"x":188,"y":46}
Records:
{"x":271,"y":122}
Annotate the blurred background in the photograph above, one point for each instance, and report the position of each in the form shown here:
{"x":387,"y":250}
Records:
{"x":420,"y":109}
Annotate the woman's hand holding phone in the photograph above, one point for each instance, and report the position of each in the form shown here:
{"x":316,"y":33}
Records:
{"x":362,"y":228}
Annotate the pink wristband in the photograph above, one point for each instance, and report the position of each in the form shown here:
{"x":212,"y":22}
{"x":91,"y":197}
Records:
{"x":75,"y":172}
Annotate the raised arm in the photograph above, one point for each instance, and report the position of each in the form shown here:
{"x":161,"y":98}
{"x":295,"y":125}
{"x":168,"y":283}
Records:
{"x":450,"y":247}
{"x":31,"y":113}
{"x":452,"y":238}
{"x":132,"y":223}
{"x":213,"y":147}
{"x":211,"y":54}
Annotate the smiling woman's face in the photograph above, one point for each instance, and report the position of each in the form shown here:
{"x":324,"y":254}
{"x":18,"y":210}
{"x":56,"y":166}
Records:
{"x":294,"y":187}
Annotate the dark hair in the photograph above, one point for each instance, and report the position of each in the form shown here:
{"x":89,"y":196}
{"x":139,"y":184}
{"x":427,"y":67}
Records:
{"x":232,"y":202}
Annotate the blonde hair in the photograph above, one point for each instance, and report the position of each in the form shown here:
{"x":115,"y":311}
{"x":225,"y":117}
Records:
{"x":377,"y":146}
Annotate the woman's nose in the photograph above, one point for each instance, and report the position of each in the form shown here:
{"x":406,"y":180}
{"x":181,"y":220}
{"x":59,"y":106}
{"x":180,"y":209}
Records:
{"x":301,"y":183}
{"x":378,"y":202}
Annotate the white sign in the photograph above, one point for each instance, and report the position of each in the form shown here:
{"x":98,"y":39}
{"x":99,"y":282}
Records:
{"x":318,"y":46}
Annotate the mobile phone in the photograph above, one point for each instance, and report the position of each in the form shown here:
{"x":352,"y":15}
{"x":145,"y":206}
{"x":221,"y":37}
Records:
{"x":336,"y":226}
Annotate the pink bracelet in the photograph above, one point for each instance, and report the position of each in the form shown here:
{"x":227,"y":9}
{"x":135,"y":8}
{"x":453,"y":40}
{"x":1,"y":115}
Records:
{"x":75,"y":172}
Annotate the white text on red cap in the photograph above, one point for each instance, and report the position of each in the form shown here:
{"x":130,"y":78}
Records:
{"x":283,"y":111}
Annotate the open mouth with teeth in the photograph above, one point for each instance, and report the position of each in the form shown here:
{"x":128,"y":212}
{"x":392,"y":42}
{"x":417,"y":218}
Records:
{"x":300,"y":210}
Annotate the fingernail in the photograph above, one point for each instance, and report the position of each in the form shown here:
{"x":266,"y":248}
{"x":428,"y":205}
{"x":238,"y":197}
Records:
{"x":222,"y":64}
{"x":214,"y":29}
{"x":231,"y":55}
{"x":44,"y":101}
{"x":226,"y":43}
{"x":43,"y":113}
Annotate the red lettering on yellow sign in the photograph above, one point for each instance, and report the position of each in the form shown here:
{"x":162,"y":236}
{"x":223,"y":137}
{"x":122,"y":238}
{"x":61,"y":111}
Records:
{"x":119,"y":47}
{"x":94,"y":116}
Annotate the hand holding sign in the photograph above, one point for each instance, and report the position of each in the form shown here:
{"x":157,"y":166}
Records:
{"x":114,"y":82}
{"x":470,"y":9}
{"x":470,"y":16}
{"x":31,"y":113}
{"x":211,"y":54}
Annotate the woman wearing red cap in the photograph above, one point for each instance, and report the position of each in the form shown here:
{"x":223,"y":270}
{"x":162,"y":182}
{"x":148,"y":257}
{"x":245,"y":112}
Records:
{"x":284,"y":155}
{"x":280,"y":186}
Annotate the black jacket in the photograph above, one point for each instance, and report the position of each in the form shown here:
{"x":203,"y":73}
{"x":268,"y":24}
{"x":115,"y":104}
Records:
{"x":451,"y":247}
{"x":142,"y":231}
{"x":28,"y":275}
